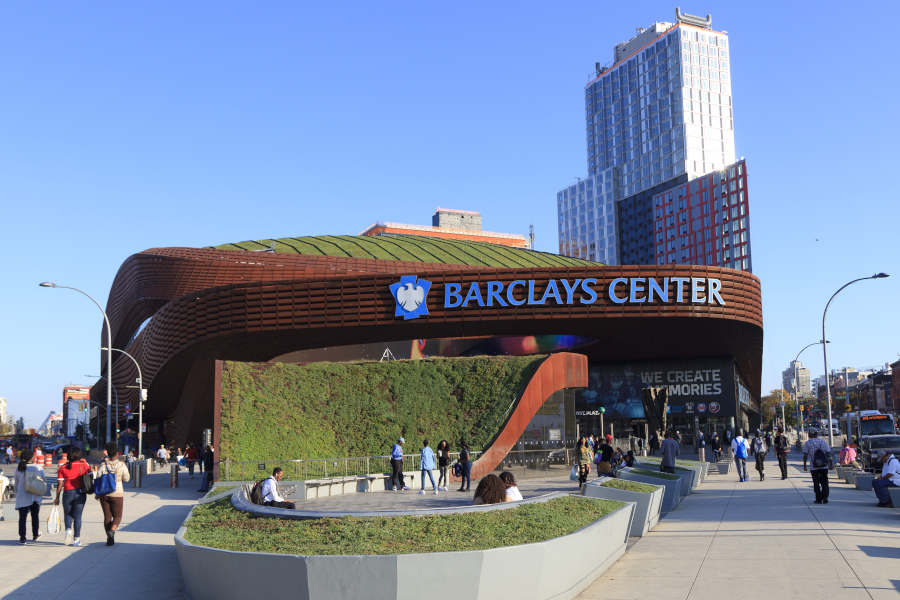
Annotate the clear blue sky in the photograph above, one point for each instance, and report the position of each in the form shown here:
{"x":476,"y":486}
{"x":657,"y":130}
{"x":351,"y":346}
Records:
{"x":129,"y":126}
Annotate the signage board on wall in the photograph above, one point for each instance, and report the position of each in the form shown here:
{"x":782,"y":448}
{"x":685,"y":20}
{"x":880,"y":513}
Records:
{"x":701,"y":386}
{"x":411,"y":293}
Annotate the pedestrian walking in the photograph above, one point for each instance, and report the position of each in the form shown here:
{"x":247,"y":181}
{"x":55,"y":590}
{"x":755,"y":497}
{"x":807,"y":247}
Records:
{"x":443,"y":456}
{"x":890,"y":476}
{"x":583,"y":457}
{"x":701,"y":446}
{"x":191,"y":456}
{"x":208,"y":460}
{"x":70,"y":484}
{"x":397,"y":465}
{"x":112,"y":503}
{"x":654,"y":443}
{"x":426,"y":466}
{"x":670,"y":450}
{"x":603,"y":458}
{"x":728,"y":439}
{"x":716,"y":445}
{"x":818,"y":452}
{"x":10,"y":455}
{"x":759,"y":451}
{"x":782,"y":447}
{"x":465,"y":466}
{"x":739,"y":450}
{"x":30,"y":488}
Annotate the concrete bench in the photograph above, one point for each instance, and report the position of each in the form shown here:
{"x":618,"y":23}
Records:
{"x":338,"y":486}
{"x":894,"y":492}
{"x":864,"y":481}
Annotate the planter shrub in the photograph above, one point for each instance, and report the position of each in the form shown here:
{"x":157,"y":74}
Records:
{"x":647,"y":499}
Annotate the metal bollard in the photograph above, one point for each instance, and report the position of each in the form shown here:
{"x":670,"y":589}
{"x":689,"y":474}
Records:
{"x":137,"y":472}
{"x":173,"y":475}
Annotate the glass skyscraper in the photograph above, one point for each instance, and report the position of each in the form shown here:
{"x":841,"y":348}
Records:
{"x":659,"y":116}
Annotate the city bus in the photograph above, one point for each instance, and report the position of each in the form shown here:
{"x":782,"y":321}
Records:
{"x":857,"y":425}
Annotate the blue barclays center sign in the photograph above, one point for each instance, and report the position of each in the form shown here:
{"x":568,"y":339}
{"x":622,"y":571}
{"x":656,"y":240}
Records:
{"x":410,"y":293}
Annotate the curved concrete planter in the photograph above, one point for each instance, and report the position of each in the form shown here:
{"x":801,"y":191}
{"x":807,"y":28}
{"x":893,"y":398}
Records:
{"x":672,"y":497}
{"x":647,"y":506}
{"x":551,"y":569}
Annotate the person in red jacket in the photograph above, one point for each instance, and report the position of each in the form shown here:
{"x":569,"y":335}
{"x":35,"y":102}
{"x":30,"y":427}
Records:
{"x":70,"y":479}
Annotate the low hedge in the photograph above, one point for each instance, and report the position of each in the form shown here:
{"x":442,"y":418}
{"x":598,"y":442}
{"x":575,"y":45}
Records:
{"x":220,"y":525}
{"x":328,"y":410}
{"x":629,"y":486}
{"x":659,"y":474}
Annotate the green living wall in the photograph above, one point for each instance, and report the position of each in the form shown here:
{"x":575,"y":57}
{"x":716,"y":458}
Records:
{"x":325,"y":410}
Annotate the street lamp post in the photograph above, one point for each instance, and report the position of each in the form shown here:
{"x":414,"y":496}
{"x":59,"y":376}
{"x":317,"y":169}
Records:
{"x":823,"y":341}
{"x":825,"y":347}
{"x":116,"y":392}
{"x":140,"y":380}
{"x":50,"y":284}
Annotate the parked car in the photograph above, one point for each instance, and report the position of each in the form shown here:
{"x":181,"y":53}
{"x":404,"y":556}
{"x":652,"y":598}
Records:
{"x":871,"y":446}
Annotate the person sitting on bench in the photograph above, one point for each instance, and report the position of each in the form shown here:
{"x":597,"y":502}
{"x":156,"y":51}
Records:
{"x":269,"y":491}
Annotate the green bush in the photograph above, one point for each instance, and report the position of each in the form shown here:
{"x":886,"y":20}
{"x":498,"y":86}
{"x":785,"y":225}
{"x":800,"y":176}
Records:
{"x":327,"y":410}
{"x":629,"y":486}
{"x":659,"y":474}
{"x":219,"y":525}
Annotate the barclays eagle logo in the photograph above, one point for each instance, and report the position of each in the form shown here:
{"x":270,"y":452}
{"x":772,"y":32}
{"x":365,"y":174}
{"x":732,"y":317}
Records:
{"x":410,"y":295}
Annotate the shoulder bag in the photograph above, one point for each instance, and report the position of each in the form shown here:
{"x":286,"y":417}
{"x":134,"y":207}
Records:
{"x":105,"y":483}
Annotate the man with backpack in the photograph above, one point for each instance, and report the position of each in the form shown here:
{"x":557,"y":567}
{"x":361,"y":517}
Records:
{"x":819,"y":454}
{"x":268,"y":491}
{"x":739,"y":450}
{"x":760,"y":448}
{"x":782,"y":447}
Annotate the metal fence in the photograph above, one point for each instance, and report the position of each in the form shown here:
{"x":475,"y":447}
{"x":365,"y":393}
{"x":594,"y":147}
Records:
{"x":319,"y":468}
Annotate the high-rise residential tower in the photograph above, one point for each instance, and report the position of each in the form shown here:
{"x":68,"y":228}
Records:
{"x":658,"y":117}
{"x":795,"y":379}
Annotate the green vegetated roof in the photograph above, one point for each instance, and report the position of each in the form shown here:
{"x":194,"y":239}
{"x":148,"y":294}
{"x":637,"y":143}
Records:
{"x":412,"y":248}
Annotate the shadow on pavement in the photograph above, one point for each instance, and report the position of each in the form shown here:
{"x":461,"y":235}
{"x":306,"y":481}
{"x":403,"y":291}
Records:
{"x":881,"y":551}
{"x":135,"y":570}
{"x":165,"y":519}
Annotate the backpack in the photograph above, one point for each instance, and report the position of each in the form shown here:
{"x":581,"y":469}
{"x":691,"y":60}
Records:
{"x":820,"y":459}
{"x":256,"y":492}
{"x":740,"y":450}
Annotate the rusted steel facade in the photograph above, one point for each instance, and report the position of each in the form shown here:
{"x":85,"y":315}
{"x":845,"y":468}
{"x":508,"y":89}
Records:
{"x":205,"y":305}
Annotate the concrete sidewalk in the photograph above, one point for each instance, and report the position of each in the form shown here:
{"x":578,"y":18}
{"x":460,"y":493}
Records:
{"x":142,"y":563}
{"x":734,"y":541}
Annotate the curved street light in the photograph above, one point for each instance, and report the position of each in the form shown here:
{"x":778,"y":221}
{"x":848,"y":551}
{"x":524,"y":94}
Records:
{"x":794,"y":387}
{"x":825,"y":348}
{"x":140,"y":383}
{"x":50,"y":284}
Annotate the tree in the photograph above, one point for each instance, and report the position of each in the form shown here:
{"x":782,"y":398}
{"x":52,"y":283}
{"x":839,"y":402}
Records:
{"x":771,"y":405}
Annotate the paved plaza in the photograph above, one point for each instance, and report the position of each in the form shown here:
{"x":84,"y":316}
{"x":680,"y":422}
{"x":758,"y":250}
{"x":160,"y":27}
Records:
{"x":736,"y":541}
{"x":727,"y":540}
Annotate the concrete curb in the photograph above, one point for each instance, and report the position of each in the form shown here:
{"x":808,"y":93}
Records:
{"x":647,"y":506}
{"x":543,"y":570}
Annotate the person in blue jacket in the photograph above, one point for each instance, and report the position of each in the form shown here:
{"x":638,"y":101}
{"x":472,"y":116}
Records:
{"x":397,"y":466}
{"x":426,"y":463}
